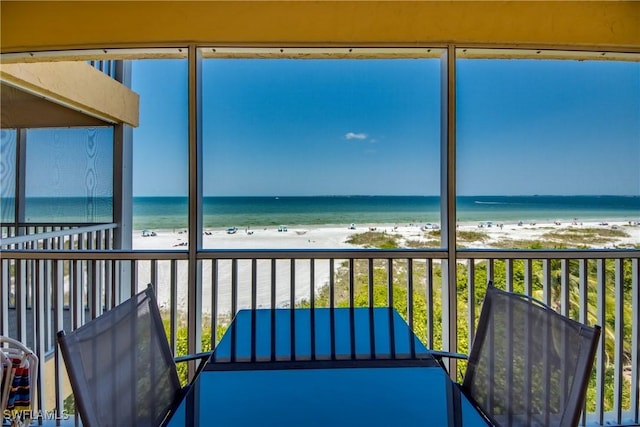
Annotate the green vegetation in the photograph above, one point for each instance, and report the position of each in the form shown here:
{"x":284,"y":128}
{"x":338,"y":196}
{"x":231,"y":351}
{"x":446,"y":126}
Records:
{"x":417,"y":244}
{"x":471,"y":236}
{"x":584,"y":236}
{"x":375,"y":239}
{"x":182,"y":342}
{"x":527,"y":244}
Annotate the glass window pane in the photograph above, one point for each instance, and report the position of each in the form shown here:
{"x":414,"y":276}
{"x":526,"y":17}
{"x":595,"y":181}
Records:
{"x":69,"y":175}
{"x":160,"y":154}
{"x":548,"y":153}
{"x":7,"y":174}
{"x":327,"y":148}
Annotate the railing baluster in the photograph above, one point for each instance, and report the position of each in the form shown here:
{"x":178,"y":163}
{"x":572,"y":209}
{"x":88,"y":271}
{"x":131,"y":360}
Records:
{"x":412,"y":344}
{"x":153,"y":274}
{"x":332,"y":305}
{"x":58,"y":325}
{"x":392,"y":338}
{"x":292,"y":320}
{"x":600,"y":360}
{"x":312,"y":304}
{"x":430,"y":302}
{"x":528,"y":277}
{"x":546,"y":282}
{"x":76,"y":294}
{"x":372,"y":332}
{"x":508,"y":274}
{"x":21,"y":300}
{"x":41,"y":332}
{"x":114,"y":297}
{"x":390,"y":283}
{"x":94,"y":289}
{"x":273,"y":309}
{"x":564,"y":288}
{"x":133,"y":288}
{"x":564,"y":310}
{"x":352,"y":326}
{"x":490,"y":270}
{"x":173,"y":310}
{"x":5,"y":267}
{"x":471,"y":300}
{"x":635,"y":341}
{"x":618,"y":356}
{"x":583,"y":278}
{"x":214,"y":303}
{"x":234,"y":306}
{"x":254,"y":285}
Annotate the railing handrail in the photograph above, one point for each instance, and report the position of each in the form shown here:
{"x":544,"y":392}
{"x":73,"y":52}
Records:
{"x":546,"y":253}
{"x":54,"y":234}
{"x":108,"y":254}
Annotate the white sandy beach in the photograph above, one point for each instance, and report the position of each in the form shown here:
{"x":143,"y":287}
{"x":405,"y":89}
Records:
{"x":317,"y":237}
{"x":335,"y":236}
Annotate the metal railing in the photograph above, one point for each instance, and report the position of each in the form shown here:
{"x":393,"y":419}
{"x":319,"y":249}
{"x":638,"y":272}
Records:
{"x":47,"y":290}
{"x":52,"y":236}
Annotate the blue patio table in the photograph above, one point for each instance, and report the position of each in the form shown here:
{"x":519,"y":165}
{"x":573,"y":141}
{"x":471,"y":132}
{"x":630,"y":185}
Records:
{"x":323,"y":367}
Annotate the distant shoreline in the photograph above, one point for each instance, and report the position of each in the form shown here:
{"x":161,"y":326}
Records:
{"x":327,"y":236}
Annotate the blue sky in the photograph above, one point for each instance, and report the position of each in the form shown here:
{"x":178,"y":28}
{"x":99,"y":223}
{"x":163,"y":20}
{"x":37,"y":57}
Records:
{"x":309,"y":127}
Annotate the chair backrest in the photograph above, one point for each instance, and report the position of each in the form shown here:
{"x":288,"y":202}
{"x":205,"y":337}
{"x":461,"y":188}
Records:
{"x":120,"y":366}
{"x":528,"y":364}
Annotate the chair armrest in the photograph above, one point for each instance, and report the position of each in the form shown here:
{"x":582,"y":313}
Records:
{"x":439,"y":355}
{"x":190,"y":357}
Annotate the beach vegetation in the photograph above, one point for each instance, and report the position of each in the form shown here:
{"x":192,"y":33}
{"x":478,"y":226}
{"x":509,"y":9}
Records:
{"x":375,"y":239}
{"x":464,"y":236}
{"x":527,"y":244}
{"x":417,"y":244}
{"x":433,"y":234}
{"x":586,"y":236}
{"x":182,"y":343}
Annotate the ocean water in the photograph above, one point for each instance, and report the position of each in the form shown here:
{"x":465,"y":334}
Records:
{"x":166,"y":213}
{"x":171,"y":212}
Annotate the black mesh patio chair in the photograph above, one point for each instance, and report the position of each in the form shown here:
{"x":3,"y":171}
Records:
{"x":120,"y":366}
{"x":528,"y":365}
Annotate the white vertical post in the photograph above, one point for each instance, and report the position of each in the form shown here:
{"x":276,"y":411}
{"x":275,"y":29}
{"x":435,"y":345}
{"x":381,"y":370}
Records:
{"x":195,"y":205}
{"x":123,"y":188}
{"x":448,"y":202}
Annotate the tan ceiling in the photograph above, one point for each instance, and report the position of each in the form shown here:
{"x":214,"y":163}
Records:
{"x":57,"y":25}
{"x":63,"y":94}
{"x":21,"y":109}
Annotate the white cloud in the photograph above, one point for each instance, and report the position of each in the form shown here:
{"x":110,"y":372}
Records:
{"x":353,"y":135}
